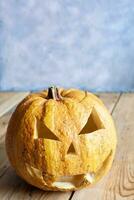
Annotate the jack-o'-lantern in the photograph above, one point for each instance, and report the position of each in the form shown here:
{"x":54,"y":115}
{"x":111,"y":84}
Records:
{"x":61,"y":139}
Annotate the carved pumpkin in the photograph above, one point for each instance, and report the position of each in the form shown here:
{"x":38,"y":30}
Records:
{"x":61,"y":139}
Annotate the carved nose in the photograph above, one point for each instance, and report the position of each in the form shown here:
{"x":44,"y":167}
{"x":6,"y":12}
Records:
{"x":71,"y":149}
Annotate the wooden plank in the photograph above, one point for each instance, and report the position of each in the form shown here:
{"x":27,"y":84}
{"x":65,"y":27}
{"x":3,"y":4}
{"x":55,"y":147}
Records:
{"x":119,"y":183}
{"x":3,"y":124}
{"x":5,"y":100}
{"x":12,"y":187}
{"x":109,"y":99}
{"x":9,"y":100}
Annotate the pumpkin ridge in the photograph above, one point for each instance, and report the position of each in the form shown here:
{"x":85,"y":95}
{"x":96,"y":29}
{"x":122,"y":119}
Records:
{"x":14,"y":125}
{"x":28,"y":137}
{"x":86,"y":94}
{"x":72,"y":119}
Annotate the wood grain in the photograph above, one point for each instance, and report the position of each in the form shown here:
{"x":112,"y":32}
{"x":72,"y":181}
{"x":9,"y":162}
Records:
{"x":119,"y":183}
{"x":7,"y":102}
{"x":10,"y":99}
{"x":12,"y":187}
{"x":122,"y":187}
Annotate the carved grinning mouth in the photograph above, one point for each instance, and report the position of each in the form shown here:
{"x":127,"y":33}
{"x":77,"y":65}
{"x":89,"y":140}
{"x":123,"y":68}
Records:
{"x":75,"y":181}
{"x":70,"y":182}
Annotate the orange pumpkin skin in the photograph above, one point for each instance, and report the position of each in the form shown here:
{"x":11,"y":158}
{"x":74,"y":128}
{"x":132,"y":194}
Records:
{"x":61,"y":139}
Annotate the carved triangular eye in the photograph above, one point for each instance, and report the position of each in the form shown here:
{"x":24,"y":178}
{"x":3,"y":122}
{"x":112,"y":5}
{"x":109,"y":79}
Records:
{"x":71,"y":149}
{"x":93,"y":123}
{"x":41,"y":131}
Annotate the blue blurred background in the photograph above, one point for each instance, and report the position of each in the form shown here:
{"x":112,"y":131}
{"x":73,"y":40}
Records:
{"x":88,"y":44}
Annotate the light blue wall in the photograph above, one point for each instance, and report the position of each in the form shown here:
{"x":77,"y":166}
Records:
{"x":87,"y":44}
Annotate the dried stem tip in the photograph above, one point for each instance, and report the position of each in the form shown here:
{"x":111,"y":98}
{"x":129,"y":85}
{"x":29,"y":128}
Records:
{"x":53,"y":93}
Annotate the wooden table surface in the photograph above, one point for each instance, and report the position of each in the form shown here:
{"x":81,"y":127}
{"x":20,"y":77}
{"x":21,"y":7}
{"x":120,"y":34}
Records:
{"x":117,"y":185}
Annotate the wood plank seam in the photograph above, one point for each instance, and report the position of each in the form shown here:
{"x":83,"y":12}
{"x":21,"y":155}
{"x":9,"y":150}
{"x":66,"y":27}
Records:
{"x":116,"y":103}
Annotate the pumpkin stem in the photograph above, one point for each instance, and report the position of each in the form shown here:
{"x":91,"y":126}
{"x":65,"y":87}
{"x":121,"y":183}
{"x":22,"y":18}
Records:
{"x":53,"y":93}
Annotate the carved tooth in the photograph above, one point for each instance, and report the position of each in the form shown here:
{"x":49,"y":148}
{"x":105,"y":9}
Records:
{"x":63,"y":185}
{"x":89,"y":177}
